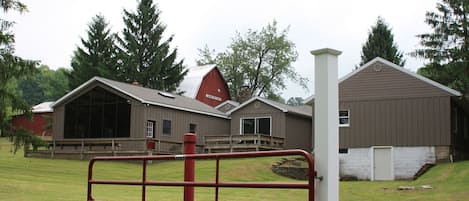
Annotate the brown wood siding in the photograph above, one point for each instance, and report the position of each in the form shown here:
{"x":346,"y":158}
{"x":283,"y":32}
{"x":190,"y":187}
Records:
{"x":386,"y":83}
{"x":180,"y":120}
{"x":59,"y":120}
{"x":260,"y":109}
{"x":299,"y":132}
{"x":397,"y":122}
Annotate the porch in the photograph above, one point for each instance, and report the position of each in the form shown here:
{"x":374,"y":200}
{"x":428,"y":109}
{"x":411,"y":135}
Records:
{"x":245,"y":142}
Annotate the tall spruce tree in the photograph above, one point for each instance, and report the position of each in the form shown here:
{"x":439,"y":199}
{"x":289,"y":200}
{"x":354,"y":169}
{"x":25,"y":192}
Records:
{"x":146,"y":57}
{"x":446,"y":49}
{"x":380,"y":43}
{"x":97,"y":57}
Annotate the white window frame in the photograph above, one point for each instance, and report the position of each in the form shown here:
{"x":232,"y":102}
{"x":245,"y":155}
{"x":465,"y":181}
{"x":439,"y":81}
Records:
{"x":256,"y":128}
{"x":344,"y":117}
{"x":150,"y":129}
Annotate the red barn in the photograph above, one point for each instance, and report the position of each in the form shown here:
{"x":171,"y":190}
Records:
{"x":38,"y":122}
{"x":206,"y":84}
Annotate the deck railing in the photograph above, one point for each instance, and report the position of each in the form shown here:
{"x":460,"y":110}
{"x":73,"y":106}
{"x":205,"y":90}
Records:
{"x":246,"y":141}
{"x":111,"y":146}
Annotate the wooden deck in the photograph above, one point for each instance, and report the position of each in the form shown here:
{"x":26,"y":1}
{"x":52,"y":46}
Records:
{"x":85,"y":148}
{"x":247,"y":142}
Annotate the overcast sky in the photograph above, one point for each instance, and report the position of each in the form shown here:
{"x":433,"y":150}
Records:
{"x":51,"y":30}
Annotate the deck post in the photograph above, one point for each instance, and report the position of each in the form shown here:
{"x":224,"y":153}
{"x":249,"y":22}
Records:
{"x":326,"y":124}
{"x":190,"y":140}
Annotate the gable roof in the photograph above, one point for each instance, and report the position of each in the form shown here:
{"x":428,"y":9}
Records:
{"x":149,"y":96}
{"x":303,"y":110}
{"x":234,"y":103}
{"x":191,"y":84}
{"x":396,"y":67}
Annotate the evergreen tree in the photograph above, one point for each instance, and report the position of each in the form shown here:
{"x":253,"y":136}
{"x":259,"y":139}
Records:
{"x":380,"y":43}
{"x":98,"y":57}
{"x":446,"y":49}
{"x":12,"y":68}
{"x":146,"y":57}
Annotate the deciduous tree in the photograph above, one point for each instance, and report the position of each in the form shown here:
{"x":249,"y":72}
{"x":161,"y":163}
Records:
{"x":257,"y":63}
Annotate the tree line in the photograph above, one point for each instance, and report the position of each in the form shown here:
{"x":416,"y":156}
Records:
{"x":256,"y":63}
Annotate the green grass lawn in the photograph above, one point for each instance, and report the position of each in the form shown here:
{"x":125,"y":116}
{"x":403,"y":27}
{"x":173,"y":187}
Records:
{"x":44,"y":179}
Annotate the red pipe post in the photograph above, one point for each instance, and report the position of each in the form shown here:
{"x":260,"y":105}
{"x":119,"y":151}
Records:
{"x":190,"y":140}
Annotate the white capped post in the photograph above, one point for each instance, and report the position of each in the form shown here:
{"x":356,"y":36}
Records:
{"x":326,"y":124}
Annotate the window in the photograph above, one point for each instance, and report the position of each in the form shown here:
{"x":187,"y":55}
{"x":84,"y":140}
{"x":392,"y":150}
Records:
{"x":166,"y":127}
{"x":192,"y":128}
{"x":344,"y":118}
{"x":256,"y":126}
{"x":150,"y":131}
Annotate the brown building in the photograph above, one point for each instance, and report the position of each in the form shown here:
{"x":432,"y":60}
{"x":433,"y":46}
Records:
{"x":393,"y":121}
{"x":111,"y":116}
{"x":266,"y":117}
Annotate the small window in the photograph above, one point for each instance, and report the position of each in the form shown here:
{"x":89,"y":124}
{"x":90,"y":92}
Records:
{"x":166,"y":127}
{"x":192,"y":128}
{"x":344,"y":118}
{"x":343,"y":151}
{"x":150,"y":131}
{"x":263,"y":126}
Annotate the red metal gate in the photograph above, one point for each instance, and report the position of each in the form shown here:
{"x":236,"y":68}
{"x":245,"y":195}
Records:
{"x":190,"y":184}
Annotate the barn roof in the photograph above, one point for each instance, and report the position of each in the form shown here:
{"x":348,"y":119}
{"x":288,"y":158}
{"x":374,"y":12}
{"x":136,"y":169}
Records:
{"x":148,"y":96}
{"x":193,"y":79}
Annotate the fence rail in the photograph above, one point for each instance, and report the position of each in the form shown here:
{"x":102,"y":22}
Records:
{"x":243,"y":142}
{"x":216,"y":184}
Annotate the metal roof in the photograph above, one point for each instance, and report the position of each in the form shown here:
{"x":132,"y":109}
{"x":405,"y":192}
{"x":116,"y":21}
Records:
{"x":150,"y":96}
{"x":43,"y":107}
{"x":193,"y":79}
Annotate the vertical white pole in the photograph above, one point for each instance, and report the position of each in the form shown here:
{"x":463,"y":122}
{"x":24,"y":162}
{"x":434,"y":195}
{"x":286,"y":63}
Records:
{"x":326,"y":124}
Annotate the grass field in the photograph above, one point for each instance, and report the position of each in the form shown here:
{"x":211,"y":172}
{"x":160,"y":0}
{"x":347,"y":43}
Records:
{"x":27,"y":179}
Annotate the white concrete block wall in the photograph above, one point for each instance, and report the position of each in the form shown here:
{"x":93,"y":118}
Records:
{"x":356,"y":163}
{"x":408,"y":160}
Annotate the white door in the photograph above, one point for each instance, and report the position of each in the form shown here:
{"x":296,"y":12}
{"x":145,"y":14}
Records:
{"x":382,"y":163}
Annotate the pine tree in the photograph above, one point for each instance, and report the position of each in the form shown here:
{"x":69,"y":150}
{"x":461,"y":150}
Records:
{"x":146,"y":57}
{"x":380,"y":43}
{"x":12,"y":68}
{"x":446,"y":49}
{"x":98,"y":57}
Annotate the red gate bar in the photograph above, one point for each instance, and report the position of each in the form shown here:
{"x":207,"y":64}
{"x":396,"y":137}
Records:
{"x":217,"y":184}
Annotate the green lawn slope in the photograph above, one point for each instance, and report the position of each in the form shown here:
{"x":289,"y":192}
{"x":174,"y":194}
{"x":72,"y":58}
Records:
{"x":45,"y":180}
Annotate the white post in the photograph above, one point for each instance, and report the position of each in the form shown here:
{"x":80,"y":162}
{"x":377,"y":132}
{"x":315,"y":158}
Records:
{"x":326,"y":124}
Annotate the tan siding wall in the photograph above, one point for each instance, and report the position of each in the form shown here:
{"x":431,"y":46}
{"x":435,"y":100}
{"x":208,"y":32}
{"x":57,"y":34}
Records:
{"x":59,"y":120}
{"x":387,"y":83}
{"x":299,"y":133}
{"x":259,"y":109}
{"x":397,"y":122}
{"x":180,"y":120}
